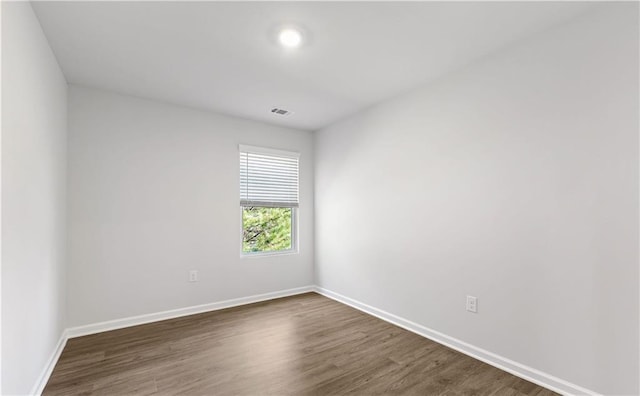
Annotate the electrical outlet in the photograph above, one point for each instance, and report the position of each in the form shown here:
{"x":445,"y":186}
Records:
{"x":472,"y":304}
{"x":193,"y":276}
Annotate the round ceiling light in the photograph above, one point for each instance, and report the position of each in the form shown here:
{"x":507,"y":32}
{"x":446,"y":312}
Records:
{"x":290,"y":38}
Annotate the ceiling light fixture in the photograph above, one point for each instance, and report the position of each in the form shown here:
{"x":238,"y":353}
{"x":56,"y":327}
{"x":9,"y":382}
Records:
{"x":290,"y":38}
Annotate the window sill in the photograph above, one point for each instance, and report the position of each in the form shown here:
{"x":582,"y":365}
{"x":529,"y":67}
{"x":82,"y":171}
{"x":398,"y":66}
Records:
{"x":268,"y":254}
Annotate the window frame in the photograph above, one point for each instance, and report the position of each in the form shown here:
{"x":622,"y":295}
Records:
{"x":294,"y":236}
{"x":294,"y":206}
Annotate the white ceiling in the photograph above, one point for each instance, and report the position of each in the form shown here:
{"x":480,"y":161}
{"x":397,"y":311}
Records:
{"x":220,"y":55}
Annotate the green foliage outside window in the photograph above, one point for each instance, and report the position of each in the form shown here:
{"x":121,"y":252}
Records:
{"x":266,"y":229}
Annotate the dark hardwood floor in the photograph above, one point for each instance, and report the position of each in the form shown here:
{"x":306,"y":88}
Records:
{"x":300,"y":345}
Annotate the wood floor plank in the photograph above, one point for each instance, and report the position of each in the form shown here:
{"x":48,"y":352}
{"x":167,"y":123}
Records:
{"x":300,"y":345}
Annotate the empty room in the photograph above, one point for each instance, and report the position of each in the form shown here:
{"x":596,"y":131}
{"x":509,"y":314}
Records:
{"x":320,"y":198}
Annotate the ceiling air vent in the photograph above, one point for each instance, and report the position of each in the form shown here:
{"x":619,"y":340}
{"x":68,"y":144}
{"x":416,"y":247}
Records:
{"x":281,"y":112}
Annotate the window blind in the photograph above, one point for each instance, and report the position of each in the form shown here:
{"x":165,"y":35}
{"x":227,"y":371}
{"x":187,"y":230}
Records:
{"x":268,"y":177}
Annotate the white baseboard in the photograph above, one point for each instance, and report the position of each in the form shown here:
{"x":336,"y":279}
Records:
{"x":528,"y":373}
{"x":515,"y":368}
{"x":148,"y":318}
{"x":51,"y":363}
{"x":176,"y":313}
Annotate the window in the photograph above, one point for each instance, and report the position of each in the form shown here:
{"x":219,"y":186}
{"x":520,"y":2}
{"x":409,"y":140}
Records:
{"x":268,"y":200}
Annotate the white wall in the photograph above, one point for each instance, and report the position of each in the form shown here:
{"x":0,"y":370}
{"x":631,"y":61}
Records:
{"x":514,"y":180}
{"x":34,"y":127}
{"x":154,"y":193}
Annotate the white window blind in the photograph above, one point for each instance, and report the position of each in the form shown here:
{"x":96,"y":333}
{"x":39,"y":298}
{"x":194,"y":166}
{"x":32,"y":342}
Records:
{"x":268,"y":177}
